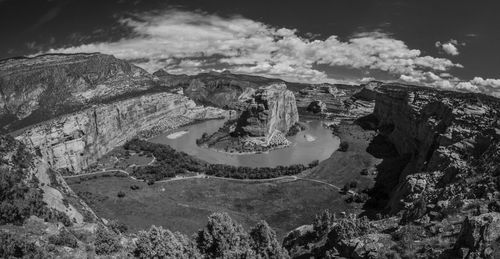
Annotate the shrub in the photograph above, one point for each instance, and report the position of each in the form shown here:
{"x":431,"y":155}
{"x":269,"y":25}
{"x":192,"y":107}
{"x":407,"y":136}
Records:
{"x":160,"y":243}
{"x":264,"y":242}
{"x":343,"y":146}
{"x":313,"y":163}
{"x":345,"y":188}
{"x":323,"y":223}
{"x":12,"y":246}
{"x":120,"y":194}
{"x":223,"y":238}
{"x":106,"y":242}
{"x":135,"y":187}
{"x":353,"y":184}
{"x":117,"y":227}
{"x":350,"y":227}
{"x":64,"y":238}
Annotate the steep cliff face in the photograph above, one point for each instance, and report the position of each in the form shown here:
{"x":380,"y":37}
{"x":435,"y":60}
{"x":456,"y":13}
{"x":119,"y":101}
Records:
{"x":269,"y":109}
{"x":77,"y":140}
{"x":39,"y":88}
{"x":214,"y":88}
{"x":441,"y":136}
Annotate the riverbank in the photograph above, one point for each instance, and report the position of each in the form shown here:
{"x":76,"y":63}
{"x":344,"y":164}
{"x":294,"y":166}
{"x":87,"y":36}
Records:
{"x":345,"y":167}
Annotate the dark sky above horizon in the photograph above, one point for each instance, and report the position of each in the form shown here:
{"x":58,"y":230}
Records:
{"x":448,"y":44}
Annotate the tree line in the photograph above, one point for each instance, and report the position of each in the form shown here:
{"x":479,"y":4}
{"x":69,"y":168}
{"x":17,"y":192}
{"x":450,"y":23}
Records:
{"x":170,"y":163}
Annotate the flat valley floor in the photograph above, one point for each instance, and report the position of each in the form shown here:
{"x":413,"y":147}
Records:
{"x":185,"y":204}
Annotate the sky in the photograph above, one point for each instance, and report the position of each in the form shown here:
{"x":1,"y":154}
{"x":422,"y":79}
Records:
{"x":444,"y":44}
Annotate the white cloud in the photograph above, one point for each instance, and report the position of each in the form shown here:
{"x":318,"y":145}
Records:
{"x":449,"y":47}
{"x":190,"y":42}
{"x":248,"y":46}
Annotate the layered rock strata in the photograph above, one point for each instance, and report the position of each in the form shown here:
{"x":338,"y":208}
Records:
{"x":440,"y":135}
{"x":269,"y":109}
{"x":38,"y":88}
{"x":75,"y":141}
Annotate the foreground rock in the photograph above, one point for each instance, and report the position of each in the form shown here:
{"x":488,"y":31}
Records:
{"x":436,"y":188}
{"x":479,"y":236}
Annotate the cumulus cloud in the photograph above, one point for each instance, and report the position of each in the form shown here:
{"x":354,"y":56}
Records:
{"x":450,"y":47}
{"x":247,"y":46}
{"x":193,"y":42}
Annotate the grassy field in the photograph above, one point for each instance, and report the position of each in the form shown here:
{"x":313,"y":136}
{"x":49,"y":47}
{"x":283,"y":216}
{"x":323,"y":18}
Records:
{"x":344,"y":167}
{"x":184,"y":205}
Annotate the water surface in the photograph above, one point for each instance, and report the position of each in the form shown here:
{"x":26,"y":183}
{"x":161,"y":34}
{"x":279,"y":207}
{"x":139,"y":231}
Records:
{"x":315,"y":143}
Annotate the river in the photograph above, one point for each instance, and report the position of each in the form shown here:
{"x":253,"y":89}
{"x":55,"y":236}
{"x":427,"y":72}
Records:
{"x":315,"y":143}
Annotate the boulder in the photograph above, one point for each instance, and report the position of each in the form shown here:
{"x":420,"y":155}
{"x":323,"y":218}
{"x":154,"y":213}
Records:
{"x":316,"y":107}
{"x":479,"y":235}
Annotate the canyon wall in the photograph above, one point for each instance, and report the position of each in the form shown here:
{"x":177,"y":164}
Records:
{"x":77,"y":140}
{"x":436,"y":135}
{"x":269,"y":109}
{"x":38,"y":88}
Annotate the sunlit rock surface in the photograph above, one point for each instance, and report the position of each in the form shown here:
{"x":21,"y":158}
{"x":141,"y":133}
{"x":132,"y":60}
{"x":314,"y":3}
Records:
{"x":269,"y":109}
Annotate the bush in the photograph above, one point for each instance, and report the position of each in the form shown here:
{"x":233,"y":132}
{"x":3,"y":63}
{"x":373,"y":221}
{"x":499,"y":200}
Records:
{"x":343,"y":146}
{"x":12,"y":246}
{"x":323,"y":223}
{"x":160,"y":243}
{"x":353,"y":184}
{"x":313,"y":163}
{"x":224,"y":238}
{"x":120,"y":194}
{"x":135,"y":187}
{"x":345,"y":188}
{"x":117,"y":227}
{"x":350,"y":227}
{"x":264,"y":242}
{"x":106,"y":242}
{"x":64,"y":238}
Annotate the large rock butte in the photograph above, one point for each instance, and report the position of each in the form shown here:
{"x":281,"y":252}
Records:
{"x":269,"y":109}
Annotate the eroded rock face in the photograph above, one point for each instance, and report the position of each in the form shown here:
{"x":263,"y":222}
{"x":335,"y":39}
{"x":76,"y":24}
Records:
{"x":478,"y":236}
{"x":39,"y":88}
{"x":438,"y":134}
{"x":270,"y":108}
{"x":317,"y":107}
{"x":77,"y":140}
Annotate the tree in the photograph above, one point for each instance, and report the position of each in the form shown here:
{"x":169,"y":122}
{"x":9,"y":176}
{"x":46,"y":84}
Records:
{"x":120,"y":194}
{"x":106,"y":242}
{"x":64,"y":238}
{"x":345,"y":188}
{"x":343,"y":146}
{"x":264,"y":242}
{"x":160,"y":243}
{"x":323,"y":223}
{"x":223,"y":238}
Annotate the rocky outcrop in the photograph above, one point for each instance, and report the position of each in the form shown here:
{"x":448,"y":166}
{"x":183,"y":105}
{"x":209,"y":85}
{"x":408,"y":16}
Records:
{"x":437,"y":133}
{"x":269,"y":109}
{"x":316,"y":107}
{"x":479,"y":235}
{"x":39,"y":88}
{"x":77,"y":140}
{"x":368,"y":91}
{"x":218,"y":89}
